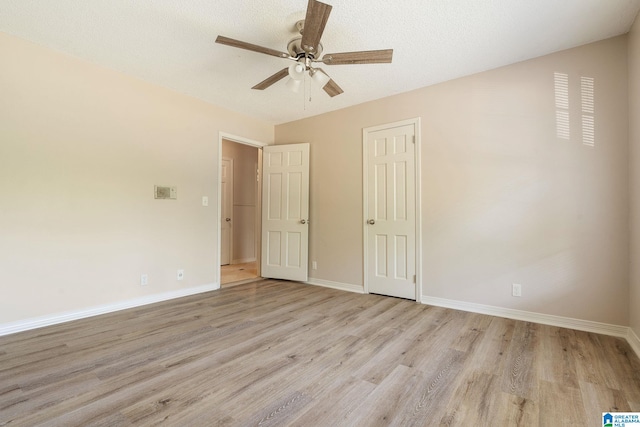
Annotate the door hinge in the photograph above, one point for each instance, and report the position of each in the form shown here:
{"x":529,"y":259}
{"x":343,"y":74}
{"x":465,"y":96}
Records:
{"x":413,"y":139}
{"x":414,"y":278}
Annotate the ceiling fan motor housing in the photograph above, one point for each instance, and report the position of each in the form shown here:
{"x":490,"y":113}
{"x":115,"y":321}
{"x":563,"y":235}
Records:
{"x":294,"y":47}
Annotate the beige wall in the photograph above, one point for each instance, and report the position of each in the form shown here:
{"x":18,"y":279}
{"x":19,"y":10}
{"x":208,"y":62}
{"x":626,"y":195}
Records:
{"x":245,"y":162}
{"x":503,"y":200}
{"x":634,"y":176}
{"x":81,"y":148}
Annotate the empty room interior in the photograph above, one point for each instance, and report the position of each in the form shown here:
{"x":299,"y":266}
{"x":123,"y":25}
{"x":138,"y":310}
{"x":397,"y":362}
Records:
{"x":307,"y":213}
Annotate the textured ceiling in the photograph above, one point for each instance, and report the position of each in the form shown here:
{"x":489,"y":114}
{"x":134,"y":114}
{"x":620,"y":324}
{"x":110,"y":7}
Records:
{"x":171,"y":42}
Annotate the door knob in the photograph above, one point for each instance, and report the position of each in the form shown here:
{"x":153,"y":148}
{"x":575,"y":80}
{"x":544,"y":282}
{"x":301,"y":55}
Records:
{"x":228,"y":219}
{"x":371,"y":221}
{"x":303,"y":221}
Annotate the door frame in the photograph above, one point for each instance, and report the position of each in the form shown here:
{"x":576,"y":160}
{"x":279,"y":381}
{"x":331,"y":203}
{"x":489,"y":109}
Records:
{"x":418,"y":198}
{"x":230,"y":160}
{"x":218,"y":164}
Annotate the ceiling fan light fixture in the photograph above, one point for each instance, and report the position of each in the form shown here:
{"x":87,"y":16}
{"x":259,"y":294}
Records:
{"x":296,"y":71}
{"x":320,"y":78}
{"x":294,"y":85}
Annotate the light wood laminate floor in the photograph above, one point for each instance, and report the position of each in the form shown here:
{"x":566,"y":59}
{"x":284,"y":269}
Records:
{"x":274,"y":353}
{"x":233,"y":274}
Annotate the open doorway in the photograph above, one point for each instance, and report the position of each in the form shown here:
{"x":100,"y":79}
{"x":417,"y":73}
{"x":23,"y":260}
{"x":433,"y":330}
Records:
{"x":240,"y":213}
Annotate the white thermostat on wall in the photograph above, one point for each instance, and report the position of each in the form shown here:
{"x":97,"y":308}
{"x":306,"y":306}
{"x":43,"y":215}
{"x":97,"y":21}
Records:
{"x":161,"y":192}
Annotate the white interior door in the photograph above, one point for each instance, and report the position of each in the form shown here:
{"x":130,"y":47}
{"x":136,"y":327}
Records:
{"x":390,"y":211}
{"x":285,"y":211}
{"x":226,"y":220}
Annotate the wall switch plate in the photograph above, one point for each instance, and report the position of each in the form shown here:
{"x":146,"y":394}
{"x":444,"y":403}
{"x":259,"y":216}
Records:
{"x":144,"y":279}
{"x":516,"y":290}
{"x":205,"y":201}
{"x":314,"y":265}
{"x":180,"y":275}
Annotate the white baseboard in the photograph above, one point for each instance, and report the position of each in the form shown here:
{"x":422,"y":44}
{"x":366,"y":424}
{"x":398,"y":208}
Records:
{"x":335,"y":285}
{"x":528,"y":316}
{"x":53,"y":319}
{"x":634,"y":341}
{"x":243,"y":260}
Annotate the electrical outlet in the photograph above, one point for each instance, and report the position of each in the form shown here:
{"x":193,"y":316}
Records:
{"x":516,"y":290}
{"x":144,"y":280}
{"x":314,"y":265}
{"x":180,"y":275}
{"x":205,"y":201}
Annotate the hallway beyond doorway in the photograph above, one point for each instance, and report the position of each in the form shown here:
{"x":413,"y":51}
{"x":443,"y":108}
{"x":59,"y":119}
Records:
{"x":236,"y":274}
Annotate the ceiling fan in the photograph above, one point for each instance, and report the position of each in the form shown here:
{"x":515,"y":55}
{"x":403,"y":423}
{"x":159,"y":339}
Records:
{"x":306,"y":50}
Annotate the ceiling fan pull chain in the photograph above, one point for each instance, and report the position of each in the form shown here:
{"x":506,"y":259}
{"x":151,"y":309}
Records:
{"x":304,"y":98}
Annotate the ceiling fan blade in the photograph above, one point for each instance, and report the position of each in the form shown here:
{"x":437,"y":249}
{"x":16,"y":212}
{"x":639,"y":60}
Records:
{"x":272,"y":79}
{"x":248,"y":46}
{"x":314,"y":23}
{"x":332,"y":88}
{"x":360,"y":57}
